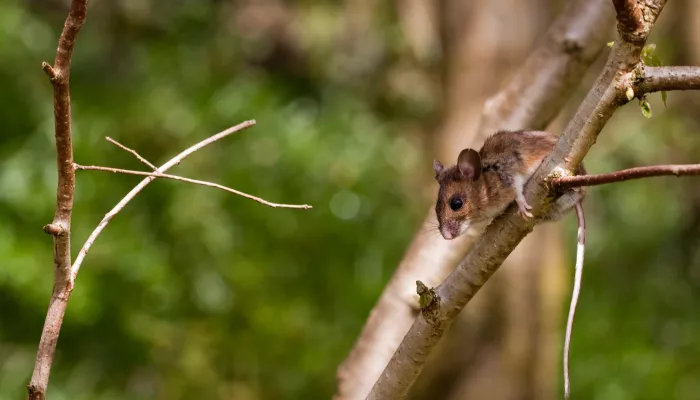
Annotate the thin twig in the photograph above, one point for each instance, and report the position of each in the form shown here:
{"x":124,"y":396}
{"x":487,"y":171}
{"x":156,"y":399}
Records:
{"x":137,"y":155}
{"x":195,"y":181}
{"x":658,"y":79}
{"x":625,"y":175}
{"x":59,"y":74}
{"x":123,"y":202}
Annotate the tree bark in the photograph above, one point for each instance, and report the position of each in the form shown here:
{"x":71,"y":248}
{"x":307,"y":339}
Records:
{"x":59,"y":228}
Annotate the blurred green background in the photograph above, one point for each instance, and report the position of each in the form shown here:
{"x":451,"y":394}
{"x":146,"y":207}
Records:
{"x":195,"y":293}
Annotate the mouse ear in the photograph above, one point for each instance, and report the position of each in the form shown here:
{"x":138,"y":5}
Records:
{"x":438,"y":167}
{"x":469,"y":164}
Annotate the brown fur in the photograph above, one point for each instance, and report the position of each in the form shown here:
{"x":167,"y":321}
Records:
{"x":504,"y":156}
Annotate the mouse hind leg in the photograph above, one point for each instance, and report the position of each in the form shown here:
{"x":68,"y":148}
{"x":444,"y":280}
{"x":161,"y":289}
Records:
{"x":523,"y":207}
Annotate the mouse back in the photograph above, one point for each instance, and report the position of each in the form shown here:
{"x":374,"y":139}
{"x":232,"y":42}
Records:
{"x":482,"y":184}
{"x":517,"y":152}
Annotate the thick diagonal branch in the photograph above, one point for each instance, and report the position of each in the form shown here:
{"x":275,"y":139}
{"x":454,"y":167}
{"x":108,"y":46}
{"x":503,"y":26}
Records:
{"x":59,"y":74}
{"x":504,"y":234}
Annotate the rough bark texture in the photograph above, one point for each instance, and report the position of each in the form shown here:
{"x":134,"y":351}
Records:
{"x":629,"y":17}
{"x":60,"y":226}
{"x":532,"y":97}
{"x":656,"y":79}
{"x":501,"y":237}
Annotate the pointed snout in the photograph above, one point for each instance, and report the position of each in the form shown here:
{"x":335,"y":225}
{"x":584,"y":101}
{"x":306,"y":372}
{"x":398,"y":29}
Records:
{"x":452,"y":229}
{"x":447,"y":234}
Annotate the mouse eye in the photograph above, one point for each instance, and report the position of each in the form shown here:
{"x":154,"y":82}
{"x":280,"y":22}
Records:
{"x":456,"y":203}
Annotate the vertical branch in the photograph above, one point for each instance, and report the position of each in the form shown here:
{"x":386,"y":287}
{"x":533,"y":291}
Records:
{"x":60,"y":226}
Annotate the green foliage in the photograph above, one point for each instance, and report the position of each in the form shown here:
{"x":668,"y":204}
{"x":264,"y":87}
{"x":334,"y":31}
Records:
{"x":651,"y":58}
{"x":194,"y":293}
{"x":645,"y":107}
{"x":664,"y":97}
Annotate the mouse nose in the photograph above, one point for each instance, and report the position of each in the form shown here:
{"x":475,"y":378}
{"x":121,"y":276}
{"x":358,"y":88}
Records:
{"x":447,"y":234}
{"x":450,"y":229}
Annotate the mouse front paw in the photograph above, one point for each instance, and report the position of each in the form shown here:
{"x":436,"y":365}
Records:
{"x":524,"y":208}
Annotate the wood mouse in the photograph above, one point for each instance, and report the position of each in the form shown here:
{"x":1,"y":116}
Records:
{"x":484,"y":183}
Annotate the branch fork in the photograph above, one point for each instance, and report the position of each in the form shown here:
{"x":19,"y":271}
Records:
{"x":158,"y":174}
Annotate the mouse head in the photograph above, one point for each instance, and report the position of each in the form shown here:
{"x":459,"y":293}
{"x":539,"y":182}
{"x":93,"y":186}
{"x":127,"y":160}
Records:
{"x":458,"y":202}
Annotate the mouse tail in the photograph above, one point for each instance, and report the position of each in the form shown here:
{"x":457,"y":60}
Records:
{"x":578,"y":273}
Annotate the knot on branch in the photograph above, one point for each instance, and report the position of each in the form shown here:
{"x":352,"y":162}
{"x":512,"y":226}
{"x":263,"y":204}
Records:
{"x":554,"y":179}
{"x":572,"y":46}
{"x":428,"y":301}
{"x":54,"y":229}
{"x":35,"y":392}
{"x":49,"y":71}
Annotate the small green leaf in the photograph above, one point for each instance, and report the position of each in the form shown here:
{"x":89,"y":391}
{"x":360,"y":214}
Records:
{"x":664,"y":94}
{"x":648,"y":50}
{"x":649,"y":57}
{"x":646,"y":107}
{"x":610,"y":44}
{"x":629,"y":93}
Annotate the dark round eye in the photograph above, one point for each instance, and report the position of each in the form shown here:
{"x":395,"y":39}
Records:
{"x":456,"y":203}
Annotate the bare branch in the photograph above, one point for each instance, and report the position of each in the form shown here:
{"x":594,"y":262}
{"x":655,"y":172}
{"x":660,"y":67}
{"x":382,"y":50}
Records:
{"x":59,"y":74}
{"x":506,"y":231}
{"x":626,"y":175}
{"x":188,"y":180}
{"x":658,"y":79}
{"x":137,"y":155}
{"x":123,"y":202}
{"x":61,"y":294}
